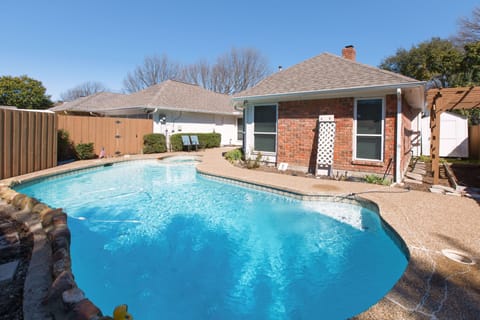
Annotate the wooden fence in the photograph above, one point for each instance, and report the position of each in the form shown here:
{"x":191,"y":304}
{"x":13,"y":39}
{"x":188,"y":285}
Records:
{"x":474,"y":141}
{"x":117,"y":135}
{"x":28,"y":141}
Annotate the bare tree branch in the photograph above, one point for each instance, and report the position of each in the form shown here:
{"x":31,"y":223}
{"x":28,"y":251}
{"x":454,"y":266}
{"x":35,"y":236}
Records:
{"x":238,"y":70}
{"x":155,"y":69}
{"x":198,"y":73}
{"x":82,"y":90}
{"x":469,"y":28}
{"x":232,"y":72}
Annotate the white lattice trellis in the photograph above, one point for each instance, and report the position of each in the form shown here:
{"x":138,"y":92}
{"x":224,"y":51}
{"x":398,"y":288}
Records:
{"x":326,"y":139}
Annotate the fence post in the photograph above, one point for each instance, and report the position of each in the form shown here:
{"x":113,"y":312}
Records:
{"x":474,"y":141}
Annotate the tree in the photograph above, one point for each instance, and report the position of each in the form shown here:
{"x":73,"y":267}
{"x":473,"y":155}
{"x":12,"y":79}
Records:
{"x":471,"y":63}
{"x":83,"y":90}
{"x":469,"y":28}
{"x":198,"y":73}
{"x":232,"y":72}
{"x":155,"y":69}
{"x":437,"y":60}
{"x":238,"y":70}
{"x":24,"y":93}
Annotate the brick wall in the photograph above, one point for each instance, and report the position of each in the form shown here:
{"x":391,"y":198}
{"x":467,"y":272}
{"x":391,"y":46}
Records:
{"x":297,"y":134}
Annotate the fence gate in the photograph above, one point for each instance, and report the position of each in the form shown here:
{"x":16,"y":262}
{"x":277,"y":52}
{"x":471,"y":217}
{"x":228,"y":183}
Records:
{"x":117,"y":135}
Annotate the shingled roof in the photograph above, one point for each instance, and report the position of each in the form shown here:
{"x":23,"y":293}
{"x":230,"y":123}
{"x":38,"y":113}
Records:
{"x":175,"y":95}
{"x":168,"y":95}
{"x":93,"y":103}
{"x":323,"y":73}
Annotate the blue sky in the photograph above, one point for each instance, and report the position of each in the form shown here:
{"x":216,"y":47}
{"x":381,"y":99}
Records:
{"x":64,"y":43}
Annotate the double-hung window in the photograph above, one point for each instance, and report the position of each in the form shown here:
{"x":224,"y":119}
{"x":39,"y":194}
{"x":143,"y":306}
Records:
{"x":265,"y":128}
{"x":369,"y":129}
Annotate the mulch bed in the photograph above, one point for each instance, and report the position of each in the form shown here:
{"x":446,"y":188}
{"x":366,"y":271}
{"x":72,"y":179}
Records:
{"x":467,"y":175}
{"x":11,"y":292}
{"x":425,"y":186}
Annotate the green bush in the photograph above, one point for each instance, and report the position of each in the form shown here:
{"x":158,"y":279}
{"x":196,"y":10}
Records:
{"x":374,"y":179}
{"x":234,"y":155}
{"x":253,"y":164}
{"x":85,"y":151}
{"x":65,"y":147}
{"x":154,"y":143}
{"x":206,"y":140}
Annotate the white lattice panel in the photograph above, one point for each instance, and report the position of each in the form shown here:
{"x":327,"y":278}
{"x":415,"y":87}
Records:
{"x":326,"y":139}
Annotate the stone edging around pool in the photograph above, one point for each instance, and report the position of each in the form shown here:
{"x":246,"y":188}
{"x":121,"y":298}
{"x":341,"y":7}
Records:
{"x":59,"y":295}
{"x":50,"y":291}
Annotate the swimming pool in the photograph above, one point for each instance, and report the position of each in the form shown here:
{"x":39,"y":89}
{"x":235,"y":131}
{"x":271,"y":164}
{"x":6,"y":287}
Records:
{"x":173,"y":244}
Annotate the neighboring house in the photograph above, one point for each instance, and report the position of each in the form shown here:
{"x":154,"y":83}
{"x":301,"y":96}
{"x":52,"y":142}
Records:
{"x":372,"y":110}
{"x":174,"y":106}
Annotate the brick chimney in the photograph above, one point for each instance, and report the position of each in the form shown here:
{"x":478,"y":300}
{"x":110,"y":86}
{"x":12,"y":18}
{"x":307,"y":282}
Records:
{"x":349,"y":53}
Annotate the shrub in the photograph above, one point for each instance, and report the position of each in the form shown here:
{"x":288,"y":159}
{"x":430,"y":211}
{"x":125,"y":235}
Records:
{"x":154,"y":143}
{"x":176,"y":142}
{"x":65,"y":147}
{"x":374,"y":179}
{"x":424,"y":158}
{"x":234,"y":155}
{"x":253,"y":164}
{"x":206,"y":140}
{"x":85,"y":151}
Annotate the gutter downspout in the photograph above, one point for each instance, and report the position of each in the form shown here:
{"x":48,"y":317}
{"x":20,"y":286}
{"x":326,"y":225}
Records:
{"x":398,"y":139}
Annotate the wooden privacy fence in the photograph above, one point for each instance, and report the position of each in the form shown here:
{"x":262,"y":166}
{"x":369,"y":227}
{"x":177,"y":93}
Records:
{"x":116,"y":135}
{"x":28,"y":141}
{"x":474,"y":141}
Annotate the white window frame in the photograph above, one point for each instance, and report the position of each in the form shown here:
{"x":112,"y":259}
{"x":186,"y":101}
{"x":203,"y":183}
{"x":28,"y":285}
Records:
{"x":268,"y":133}
{"x":382,"y":135}
{"x":243,"y":128}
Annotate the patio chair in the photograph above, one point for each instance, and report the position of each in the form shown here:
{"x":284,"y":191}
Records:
{"x":186,"y":142}
{"x":195,"y":142}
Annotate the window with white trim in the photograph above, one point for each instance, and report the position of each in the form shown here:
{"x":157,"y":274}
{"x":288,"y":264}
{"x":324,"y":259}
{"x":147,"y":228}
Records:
{"x":265,"y":128}
{"x":369,"y":129}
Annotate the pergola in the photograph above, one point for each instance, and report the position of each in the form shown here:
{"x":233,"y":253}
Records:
{"x":447,"y":99}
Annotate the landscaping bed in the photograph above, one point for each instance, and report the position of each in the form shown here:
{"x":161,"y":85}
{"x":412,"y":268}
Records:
{"x":467,"y":175}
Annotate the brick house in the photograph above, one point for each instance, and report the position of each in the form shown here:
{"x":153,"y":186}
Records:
{"x":372,"y":110}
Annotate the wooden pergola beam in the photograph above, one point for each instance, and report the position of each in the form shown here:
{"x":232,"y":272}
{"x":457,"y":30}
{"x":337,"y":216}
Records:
{"x":447,"y":99}
{"x":435,"y":111}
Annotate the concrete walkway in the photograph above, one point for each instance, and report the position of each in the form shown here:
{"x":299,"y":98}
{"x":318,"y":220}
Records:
{"x":433,"y":286}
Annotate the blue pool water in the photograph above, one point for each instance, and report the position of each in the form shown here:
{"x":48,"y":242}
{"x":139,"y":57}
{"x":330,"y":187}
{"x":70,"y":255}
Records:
{"x":175,"y":245}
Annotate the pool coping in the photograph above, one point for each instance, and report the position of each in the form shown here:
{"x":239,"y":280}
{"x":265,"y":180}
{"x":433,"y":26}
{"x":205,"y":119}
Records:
{"x":432,"y":285}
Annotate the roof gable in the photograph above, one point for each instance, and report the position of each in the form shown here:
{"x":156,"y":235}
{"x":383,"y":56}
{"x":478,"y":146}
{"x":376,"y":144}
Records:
{"x":323,"y":73}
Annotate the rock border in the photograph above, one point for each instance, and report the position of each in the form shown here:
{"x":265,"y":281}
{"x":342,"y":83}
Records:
{"x":50,"y":290}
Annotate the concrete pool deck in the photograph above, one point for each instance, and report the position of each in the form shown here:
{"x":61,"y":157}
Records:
{"x":433,"y":286}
